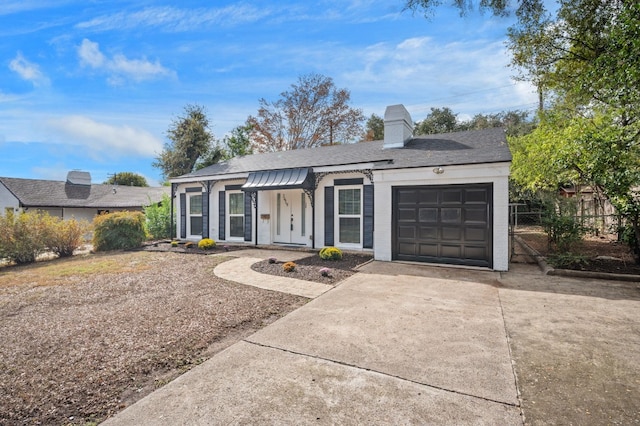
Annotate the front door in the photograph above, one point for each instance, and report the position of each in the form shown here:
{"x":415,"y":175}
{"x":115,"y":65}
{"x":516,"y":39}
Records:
{"x":290,"y":224}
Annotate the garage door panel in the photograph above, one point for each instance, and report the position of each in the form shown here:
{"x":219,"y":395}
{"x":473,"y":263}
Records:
{"x":475,"y":235}
{"x":451,"y":234}
{"x":476,"y":215}
{"x":408,"y":215}
{"x":407,"y":232}
{"x":407,"y":249}
{"x":479,"y":196}
{"x":471,"y":252}
{"x":453,"y":251}
{"x":452,"y":196}
{"x":430,"y":250}
{"x":426,"y":196}
{"x":451,"y":215}
{"x":429,"y":214}
{"x":428,"y":233}
{"x":443,"y":223}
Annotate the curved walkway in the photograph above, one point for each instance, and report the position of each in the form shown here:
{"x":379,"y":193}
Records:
{"x":239,"y":270}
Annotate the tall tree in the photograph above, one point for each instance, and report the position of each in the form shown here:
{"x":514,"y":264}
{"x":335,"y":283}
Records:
{"x":374,"y":129}
{"x":439,"y":120}
{"x":312,"y":113}
{"x":127,"y":179}
{"x":190,"y":140}
{"x":238,"y":143}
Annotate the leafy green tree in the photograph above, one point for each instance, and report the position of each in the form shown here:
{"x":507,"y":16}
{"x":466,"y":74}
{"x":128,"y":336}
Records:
{"x":238,"y":143}
{"x":374,"y":128}
{"x":127,"y":179}
{"x":439,"y":120}
{"x":190,"y":140}
{"x":158,"y":218}
{"x":312,"y":113}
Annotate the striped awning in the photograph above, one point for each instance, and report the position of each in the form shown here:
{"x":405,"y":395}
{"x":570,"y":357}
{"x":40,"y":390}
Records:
{"x":279,"y":179}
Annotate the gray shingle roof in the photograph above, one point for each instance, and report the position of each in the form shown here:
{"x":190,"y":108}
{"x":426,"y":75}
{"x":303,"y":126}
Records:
{"x":49,"y":193}
{"x":470,"y":147}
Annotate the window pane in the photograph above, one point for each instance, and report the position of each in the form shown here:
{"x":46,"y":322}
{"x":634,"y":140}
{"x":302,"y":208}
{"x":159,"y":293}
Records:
{"x":350,"y":230}
{"x":195,"y":204}
{"x":349,"y":201}
{"x":236,"y":203}
{"x":236,"y":225}
{"x":196,"y":225}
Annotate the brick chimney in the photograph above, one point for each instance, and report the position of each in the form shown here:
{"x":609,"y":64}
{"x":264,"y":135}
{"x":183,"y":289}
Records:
{"x":398,"y":126}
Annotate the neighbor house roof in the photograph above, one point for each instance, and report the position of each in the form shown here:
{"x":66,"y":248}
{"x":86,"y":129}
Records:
{"x":49,"y":193}
{"x":470,"y":147}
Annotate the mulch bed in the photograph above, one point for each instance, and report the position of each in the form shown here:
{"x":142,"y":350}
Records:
{"x":597,"y":254}
{"x":165,"y":246}
{"x":309,"y":268}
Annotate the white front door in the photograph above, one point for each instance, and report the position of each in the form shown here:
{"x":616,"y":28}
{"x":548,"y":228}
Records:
{"x":290,"y":225}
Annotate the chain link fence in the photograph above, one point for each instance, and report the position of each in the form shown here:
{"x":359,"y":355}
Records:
{"x":526,"y":220}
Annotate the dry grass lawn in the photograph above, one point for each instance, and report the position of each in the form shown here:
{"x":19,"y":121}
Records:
{"x":82,"y":338}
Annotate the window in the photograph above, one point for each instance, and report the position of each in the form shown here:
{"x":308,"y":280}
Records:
{"x":236,"y":214}
{"x":195,"y":214}
{"x":349,"y":215}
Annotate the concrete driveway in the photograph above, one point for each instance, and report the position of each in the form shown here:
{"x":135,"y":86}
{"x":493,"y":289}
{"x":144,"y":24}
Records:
{"x":405,"y":344}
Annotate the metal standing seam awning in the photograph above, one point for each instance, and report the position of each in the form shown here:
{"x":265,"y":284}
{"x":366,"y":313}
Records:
{"x":279,"y":179}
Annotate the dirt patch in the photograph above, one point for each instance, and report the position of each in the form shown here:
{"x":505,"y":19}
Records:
{"x":85,"y":337}
{"x":596,"y":254}
{"x":311,"y":268}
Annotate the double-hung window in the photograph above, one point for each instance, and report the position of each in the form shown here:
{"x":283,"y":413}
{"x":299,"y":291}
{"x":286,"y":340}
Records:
{"x":349,"y":215}
{"x":236,"y":214}
{"x":195,"y":214}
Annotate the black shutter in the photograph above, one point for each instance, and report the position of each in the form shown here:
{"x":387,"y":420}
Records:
{"x":368,"y":217}
{"x":328,"y":216}
{"x":205,"y":214}
{"x":221,"y":215}
{"x":183,"y":215}
{"x":247,"y":216}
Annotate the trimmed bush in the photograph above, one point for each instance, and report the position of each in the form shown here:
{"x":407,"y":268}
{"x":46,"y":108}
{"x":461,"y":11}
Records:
{"x":330,"y":253}
{"x":289,"y":267}
{"x":119,"y":230}
{"x":23,"y":237}
{"x":206,"y":244}
{"x":174,"y":243}
{"x":65,"y":236}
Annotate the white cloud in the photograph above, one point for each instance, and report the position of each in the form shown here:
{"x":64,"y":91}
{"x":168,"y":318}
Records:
{"x":119,"y":67}
{"x":89,"y":53}
{"x":470,"y":76}
{"x":28,"y":71}
{"x":173,"y":19}
{"x":105,"y":140}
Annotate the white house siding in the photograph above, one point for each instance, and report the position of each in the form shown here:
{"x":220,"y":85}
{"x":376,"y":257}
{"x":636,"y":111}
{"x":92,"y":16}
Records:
{"x":7,"y":200}
{"x":497,"y":174}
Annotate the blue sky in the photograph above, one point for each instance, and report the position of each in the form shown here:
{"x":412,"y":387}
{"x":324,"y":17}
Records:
{"x":95,"y":84}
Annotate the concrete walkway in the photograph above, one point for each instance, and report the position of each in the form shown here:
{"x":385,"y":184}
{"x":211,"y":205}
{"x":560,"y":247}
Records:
{"x":239,"y":270}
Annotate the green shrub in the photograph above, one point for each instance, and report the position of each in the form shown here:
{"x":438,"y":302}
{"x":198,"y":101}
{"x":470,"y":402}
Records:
{"x":65,"y":236}
{"x":289,"y":266}
{"x":119,"y":230}
{"x":331,"y":253}
{"x":561,"y":223}
{"x":206,"y":244}
{"x":159,"y":218}
{"x":23,"y":237}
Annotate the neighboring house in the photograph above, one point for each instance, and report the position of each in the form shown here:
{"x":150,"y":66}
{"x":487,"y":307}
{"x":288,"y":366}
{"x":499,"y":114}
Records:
{"x":435,"y":198}
{"x":76,"y":197}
